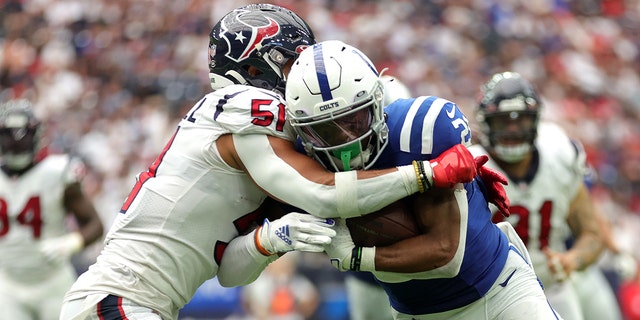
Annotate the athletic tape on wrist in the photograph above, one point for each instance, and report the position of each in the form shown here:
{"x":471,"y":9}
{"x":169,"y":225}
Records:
{"x":347,"y":193}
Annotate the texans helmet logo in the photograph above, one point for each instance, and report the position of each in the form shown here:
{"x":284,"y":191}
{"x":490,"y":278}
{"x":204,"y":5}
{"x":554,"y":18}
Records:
{"x":250,"y":37}
{"x":301,"y":48}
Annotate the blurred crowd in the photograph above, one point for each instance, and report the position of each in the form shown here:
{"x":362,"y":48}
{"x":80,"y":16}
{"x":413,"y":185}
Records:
{"x":112,"y":78}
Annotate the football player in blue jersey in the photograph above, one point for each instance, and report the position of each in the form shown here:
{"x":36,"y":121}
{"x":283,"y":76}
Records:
{"x":462,"y":266}
{"x":197,"y":212}
{"x":367,"y":300}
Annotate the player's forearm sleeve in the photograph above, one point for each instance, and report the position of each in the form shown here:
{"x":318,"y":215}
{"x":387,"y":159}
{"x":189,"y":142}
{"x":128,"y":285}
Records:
{"x":349,"y":197}
{"x":241,"y":262}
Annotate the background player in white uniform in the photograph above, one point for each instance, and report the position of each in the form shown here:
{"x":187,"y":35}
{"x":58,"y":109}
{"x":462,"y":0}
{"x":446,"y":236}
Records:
{"x":38,"y":192}
{"x":597,"y":296}
{"x":462,"y":266}
{"x":549,"y":199}
{"x":209,"y":184}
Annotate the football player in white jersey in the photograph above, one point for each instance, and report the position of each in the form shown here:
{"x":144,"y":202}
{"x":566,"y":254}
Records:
{"x":549,"y":198}
{"x":38,"y":192}
{"x":597,"y":296}
{"x":462,"y":265}
{"x":209,"y":185}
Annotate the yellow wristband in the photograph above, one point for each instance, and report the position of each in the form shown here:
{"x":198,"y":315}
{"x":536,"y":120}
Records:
{"x":417,"y":170}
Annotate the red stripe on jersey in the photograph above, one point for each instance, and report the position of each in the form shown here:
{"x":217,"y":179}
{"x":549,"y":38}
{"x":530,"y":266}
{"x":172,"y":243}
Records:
{"x":121,"y":310}
{"x":99,"y":311}
{"x":147,"y":174}
{"x":110,"y":308}
{"x":218,"y":251}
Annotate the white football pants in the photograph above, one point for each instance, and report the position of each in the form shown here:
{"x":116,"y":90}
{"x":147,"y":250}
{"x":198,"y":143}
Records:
{"x":522,"y":298}
{"x":19,"y":300}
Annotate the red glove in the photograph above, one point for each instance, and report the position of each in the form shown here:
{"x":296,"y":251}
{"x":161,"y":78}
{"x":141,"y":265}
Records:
{"x":494,"y":182}
{"x":455,"y":165}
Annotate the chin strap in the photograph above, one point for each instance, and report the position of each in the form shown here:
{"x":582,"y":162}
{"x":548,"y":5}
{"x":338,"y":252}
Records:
{"x":239,"y":79}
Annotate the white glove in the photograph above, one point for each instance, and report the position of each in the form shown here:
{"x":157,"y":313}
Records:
{"x":294,"y":231}
{"x":61,"y":248}
{"x":345,"y":255}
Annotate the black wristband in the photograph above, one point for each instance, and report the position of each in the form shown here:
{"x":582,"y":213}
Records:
{"x":423,"y":175}
{"x":356,"y":257}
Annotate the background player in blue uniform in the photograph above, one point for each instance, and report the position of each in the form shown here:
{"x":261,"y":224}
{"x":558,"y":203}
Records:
{"x":463,"y":266}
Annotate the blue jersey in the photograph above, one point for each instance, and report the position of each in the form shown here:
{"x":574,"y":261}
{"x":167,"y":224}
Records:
{"x":422,"y":128}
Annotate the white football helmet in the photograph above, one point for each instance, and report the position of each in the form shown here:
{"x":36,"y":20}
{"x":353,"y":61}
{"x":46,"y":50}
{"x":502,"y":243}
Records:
{"x":334,"y":102}
{"x":394,"y":89}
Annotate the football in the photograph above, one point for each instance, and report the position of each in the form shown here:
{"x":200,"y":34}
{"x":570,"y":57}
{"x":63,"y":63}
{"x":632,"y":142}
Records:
{"x":383,"y":227}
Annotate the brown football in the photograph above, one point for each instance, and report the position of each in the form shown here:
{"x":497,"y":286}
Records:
{"x":383,"y":227}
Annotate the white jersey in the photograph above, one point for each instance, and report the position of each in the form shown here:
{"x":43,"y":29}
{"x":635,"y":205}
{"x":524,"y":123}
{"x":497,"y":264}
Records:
{"x":188,"y":206}
{"x":539,"y":209}
{"x":182,"y":213}
{"x":32,"y":210}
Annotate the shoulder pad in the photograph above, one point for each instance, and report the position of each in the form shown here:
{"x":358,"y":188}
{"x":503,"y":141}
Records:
{"x":553,"y":141}
{"x":426,"y":125}
{"x":68,"y":168}
{"x":241,"y":109}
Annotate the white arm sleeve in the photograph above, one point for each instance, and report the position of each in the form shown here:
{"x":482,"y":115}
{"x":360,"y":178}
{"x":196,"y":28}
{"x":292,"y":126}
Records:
{"x":241,"y":262}
{"x":349,"y":197}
